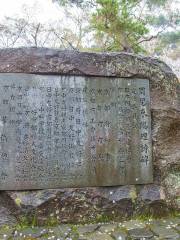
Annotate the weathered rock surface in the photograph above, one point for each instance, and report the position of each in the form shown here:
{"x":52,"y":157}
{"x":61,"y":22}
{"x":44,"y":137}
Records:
{"x":83,"y":204}
{"x":75,"y":204}
{"x":140,"y":233}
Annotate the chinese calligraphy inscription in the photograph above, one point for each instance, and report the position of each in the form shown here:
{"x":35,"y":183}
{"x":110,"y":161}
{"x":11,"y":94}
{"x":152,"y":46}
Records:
{"x":72,"y":131}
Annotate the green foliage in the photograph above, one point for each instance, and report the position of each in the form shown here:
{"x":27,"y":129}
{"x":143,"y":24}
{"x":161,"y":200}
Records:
{"x":116,"y":26}
{"x":123,"y":25}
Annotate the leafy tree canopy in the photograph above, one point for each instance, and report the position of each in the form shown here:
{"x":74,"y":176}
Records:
{"x":117,"y":26}
{"x":124,"y":25}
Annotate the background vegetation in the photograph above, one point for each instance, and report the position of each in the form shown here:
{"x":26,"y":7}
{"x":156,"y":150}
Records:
{"x":150,"y":27}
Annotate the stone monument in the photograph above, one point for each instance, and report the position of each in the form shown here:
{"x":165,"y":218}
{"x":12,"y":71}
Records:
{"x":87,"y":121}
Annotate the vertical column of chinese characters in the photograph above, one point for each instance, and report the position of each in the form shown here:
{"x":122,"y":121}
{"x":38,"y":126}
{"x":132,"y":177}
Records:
{"x":56,"y":131}
{"x":4,"y":154}
{"x":128,"y":109}
{"x":121,"y":133}
{"x":25,"y":149}
{"x":29,"y":133}
{"x":78,"y":111}
{"x":81,"y":151}
{"x":64,"y":132}
{"x":26,"y":156}
{"x":49,"y":136}
{"x":92,"y":129}
{"x":33,"y":168}
{"x":42,"y":158}
{"x":15,"y":109}
{"x":78,"y":131}
{"x":144,"y":146}
{"x":71,"y":128}
{"x":104,"y":135}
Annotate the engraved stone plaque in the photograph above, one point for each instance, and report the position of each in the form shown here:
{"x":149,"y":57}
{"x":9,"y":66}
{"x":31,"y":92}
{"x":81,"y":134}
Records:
{"x":72,"y":131}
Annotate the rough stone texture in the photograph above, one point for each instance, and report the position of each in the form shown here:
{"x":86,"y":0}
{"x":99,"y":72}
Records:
{"x":165,"y":232}
{"x":152,"y":201}
{"x":140,"y":233}
{"x":75,"y":204}
{"x":70,"y":205}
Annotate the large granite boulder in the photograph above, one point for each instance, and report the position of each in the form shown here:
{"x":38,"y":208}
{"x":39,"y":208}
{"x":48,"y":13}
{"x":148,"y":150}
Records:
{"x":104,"y":203}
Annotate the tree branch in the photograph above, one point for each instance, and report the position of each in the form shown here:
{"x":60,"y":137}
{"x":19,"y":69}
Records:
{"x":150,"y":38}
